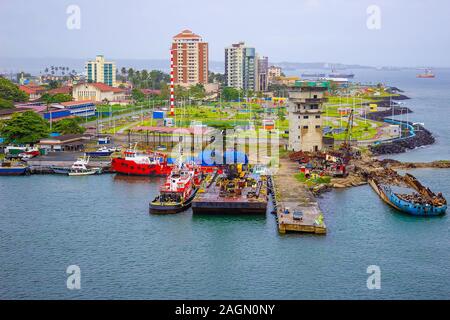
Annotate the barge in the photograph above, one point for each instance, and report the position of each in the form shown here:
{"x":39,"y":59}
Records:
{"x":236,"y":191}
{"x":10,"y":169}
{"x":408,"y":195}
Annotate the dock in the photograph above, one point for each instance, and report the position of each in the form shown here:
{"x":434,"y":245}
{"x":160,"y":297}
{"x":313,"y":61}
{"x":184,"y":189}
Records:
{"x":294,"y":196}
{"x":43,"y":164}
{"x":249,"y":199}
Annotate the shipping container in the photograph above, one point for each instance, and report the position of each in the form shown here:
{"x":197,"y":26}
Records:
{"x":159,"y":114}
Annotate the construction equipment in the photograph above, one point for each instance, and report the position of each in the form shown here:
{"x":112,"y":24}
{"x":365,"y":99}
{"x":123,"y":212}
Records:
{"x":346,"y":147}
{"x":348,"y":131}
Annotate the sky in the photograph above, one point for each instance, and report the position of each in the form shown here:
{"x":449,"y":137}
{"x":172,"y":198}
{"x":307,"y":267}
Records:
{"x":405,"y":33}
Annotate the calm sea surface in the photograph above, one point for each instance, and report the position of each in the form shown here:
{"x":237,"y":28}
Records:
{"x":102,"y":225}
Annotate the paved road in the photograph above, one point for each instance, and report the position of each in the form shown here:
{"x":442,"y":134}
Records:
{"x":138,"y":112}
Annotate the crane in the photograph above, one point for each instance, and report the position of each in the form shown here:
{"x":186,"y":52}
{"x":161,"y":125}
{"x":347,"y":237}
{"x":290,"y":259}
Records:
{"x":346,"y":146}
{"x":349,"y":129}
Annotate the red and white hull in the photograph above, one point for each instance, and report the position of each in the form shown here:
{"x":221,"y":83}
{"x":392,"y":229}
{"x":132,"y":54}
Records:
{"x":130,"y":167}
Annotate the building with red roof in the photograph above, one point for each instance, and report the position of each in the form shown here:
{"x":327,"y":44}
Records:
{"x":98,"y":92}
{"x":34,"y":91}
{"x":61,"y":90}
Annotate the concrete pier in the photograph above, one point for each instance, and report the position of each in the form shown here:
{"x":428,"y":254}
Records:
{"x":294,"y":196}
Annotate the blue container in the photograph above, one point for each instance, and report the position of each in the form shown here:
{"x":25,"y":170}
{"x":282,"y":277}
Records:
{"x":57,"y":114}
{"x":159,"y":114}
{"x":206,"y":158}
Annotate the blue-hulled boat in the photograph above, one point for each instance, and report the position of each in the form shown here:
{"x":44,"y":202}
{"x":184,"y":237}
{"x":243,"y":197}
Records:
{"x":412,"y":198}
{"x":9,"y":169}
{"x":101,"y":152}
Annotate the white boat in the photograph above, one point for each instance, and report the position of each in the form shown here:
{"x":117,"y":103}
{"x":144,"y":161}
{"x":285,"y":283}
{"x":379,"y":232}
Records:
{"x":79,"y":168}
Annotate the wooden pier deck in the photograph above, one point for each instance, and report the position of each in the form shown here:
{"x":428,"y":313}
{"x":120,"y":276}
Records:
{"x":289,"y":193}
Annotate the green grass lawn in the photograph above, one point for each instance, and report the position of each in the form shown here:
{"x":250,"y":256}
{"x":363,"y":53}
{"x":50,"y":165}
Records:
{"x":362,"y":130}
{"x":311,"y":182}
{"x":200,"y":112}
{"x":114,"y":108}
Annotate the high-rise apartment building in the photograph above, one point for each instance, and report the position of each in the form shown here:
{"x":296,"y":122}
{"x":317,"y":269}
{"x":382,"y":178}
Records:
{"x":241,"y":67}
{"x":263,"y":74}
{"x":189,"y":59}
{"x":102,"y":71}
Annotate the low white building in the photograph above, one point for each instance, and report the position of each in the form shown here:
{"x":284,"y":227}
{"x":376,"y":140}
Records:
{"x":98,"y":92}
{"x":392,"y":130}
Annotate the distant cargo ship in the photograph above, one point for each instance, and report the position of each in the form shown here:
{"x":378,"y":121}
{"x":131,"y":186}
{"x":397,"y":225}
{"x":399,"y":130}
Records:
{"x":313,"y":75}
{"x":341,"y":75}
{"x":428,"y":74}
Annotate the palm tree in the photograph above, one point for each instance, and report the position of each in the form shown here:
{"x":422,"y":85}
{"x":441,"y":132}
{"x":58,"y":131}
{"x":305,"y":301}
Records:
{"x":130,"y":73}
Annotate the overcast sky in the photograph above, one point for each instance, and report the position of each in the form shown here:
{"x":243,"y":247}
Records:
{"x":412,"y":33}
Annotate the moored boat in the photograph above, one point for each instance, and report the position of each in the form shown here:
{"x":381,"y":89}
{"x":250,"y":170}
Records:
{"x":140,"y":164}
{"x":60,"y":170}
{"x":409,"y":196}
{"x":178,"y":191}
{"x":79,"y":168}
{"x":8,"y":168}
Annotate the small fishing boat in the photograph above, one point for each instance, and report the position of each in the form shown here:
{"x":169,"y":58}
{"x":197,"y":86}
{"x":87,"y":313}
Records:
{"x":79,"y":168}
{"x":178,"y":191}
{"x":408,"y":196}
{"x":8,"y":168}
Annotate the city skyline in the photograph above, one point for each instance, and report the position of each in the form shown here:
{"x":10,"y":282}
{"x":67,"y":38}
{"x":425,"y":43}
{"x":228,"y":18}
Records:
{"x":310,"y":31}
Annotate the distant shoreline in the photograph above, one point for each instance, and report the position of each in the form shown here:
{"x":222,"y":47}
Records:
{"x":422,"y":137}
{"x":34,"y":65}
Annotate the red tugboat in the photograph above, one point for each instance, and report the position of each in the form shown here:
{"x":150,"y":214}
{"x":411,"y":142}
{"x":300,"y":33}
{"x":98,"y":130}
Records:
{"x":178,"y":191}
{"x":140,"y":164}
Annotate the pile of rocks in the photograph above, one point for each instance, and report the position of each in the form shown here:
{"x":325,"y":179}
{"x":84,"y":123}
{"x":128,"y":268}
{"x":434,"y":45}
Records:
{"x":423,"y":137}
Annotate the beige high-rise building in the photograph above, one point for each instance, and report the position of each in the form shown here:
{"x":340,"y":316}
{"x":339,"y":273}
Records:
{"x":274,"y":72}
{"x":306,"y":100}
{"x":189,"y":59}
{"x":101,"y":71}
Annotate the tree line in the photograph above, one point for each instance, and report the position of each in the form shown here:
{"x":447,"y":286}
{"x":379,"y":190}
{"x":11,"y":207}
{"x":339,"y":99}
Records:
{"x":143,"y":79}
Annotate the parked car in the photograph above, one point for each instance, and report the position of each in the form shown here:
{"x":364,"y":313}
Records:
{"x":297,"y":215}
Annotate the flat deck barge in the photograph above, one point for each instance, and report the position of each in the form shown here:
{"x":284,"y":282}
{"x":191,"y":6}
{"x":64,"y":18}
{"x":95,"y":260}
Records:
{"x":240,"y":196}
{"x":297,"y":209}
